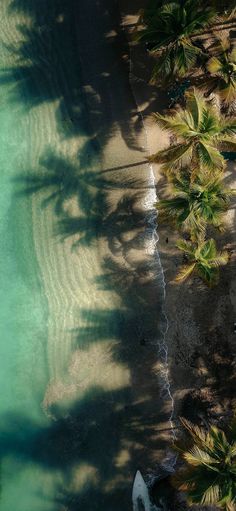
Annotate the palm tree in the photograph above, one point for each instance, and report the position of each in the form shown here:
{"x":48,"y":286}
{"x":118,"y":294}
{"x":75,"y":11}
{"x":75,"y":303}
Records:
{"x":224,"y":7}
{"x":167,"y":32}
{"x":195,"y":204}
{"x":203,"y":259}
{"x":223,"y":71}
{"x":201,"y":133}
{"x":209,"y":475}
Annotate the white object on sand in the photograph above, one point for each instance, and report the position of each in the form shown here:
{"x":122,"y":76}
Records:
{"x":140,"y":495}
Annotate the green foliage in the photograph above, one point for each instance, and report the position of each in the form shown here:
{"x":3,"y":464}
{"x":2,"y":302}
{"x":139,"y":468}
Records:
{"x":201,"y":132}
{"x":167,"y":31}
{"x":209,"y":474}
{"x":194,"y":204}
{"x":202,"y":259}
{"x":222,"y":67}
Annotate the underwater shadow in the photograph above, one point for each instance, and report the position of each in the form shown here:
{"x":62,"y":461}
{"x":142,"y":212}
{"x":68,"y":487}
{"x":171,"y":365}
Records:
{"x":82,"y":442}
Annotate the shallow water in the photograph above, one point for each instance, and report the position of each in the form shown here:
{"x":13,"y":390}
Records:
{"x":80,"y":296}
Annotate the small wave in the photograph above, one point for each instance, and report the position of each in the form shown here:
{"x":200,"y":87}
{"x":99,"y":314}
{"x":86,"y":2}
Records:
{"x":150,"y":246}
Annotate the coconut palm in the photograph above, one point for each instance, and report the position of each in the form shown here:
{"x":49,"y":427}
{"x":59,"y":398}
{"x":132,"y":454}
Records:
{"x":223,"y":71}
{"x":203,"y":259}
{"x":223,"y":7}
{"x":201,"y":133}
{"x":167,"y":32}
{"x":209,"y":475}
{"x":193,"y":205}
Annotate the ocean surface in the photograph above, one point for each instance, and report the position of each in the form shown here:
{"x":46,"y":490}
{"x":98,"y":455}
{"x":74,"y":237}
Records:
{"x":81,"y":285}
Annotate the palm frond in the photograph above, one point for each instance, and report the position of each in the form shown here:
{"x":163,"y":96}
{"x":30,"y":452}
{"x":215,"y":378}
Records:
{"x":209,"y":275}
{"x":175,"y":123}
{"x":211,"y":495}
{"x":198,"y":457}
{"x":227,"y":91}
{"x":210,"y":157}
{"x":185,"y":56}
{"x":194,"y":204}
{"x":220,"y":260}
{"x":195,"y":105}
{"x":198,"y":435}
{"x":184,"y":272}
{"x":185,"y":246}
{"x":209,"y":475}
{"x":230,"y":505}
{"x":168,"y":28}
{"x":201,"y":132}
{"x":214,"y":65}
{"x":228,"y":129}
{"x":227,"y":146}
{"x":204,"y":260}
{"x":171,"y":154}
{"x":207,"y":249}
{"x":163,"y":69}
{"x":223,"y":67}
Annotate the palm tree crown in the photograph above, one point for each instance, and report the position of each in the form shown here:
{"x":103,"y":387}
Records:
{"x":223,"y":69}
{"x":195,"y":204}
{"x":201,"y":133}
{"x":203,"y":259}
{"x":209,"y":476}
{"x":169,"y":29}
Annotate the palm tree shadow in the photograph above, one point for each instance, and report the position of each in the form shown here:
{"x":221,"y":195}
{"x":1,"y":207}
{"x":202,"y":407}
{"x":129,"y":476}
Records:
{"x":123,"y":227}
{"x":63,"y":181}
{"x":139,"y":284}
{"x":82,"y":439}
{"x":139,"y":322}
{"x":48,"y":70}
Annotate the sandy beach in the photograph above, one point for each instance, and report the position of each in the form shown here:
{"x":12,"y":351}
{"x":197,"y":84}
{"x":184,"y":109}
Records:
{"x":200,"y":337}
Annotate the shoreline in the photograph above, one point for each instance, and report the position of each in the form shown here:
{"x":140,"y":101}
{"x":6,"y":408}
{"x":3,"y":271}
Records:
{"x":153,"y":249}
{"x":201,"y":346}
{"x":121,"y":274}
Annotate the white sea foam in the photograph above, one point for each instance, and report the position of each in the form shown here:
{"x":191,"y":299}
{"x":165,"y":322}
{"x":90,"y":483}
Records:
{"x":150,"y":246}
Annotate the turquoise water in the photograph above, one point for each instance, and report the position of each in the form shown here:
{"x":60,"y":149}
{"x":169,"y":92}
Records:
{"x":23,"y":318}
{"x":78,"y":291}
{"x":23,"y":315}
